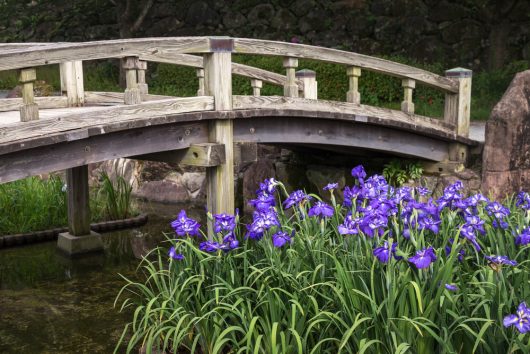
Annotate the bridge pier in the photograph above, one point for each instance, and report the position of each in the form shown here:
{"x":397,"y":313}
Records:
{"x":79,"y":238}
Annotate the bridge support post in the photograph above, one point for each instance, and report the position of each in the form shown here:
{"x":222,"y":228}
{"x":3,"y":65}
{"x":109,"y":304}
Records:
{"x":132,"y":92}
{"x":457,"y":111}
{"x":256,"y":84}
{"x":72,"y":82}
{"x":309,"y":78}
{"x":218,"y":83}
{"x":79,"y":238}
{"x":407,"y":105}
{"x":29,"y":110}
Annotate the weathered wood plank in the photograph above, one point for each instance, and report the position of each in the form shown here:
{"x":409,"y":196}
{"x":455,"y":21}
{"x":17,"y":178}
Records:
{"x":309,"y":78}
{"x":339,"y":108}
{"x":99,"y":148}
{"x":237,"y":69}
{"x":113,"y":98}
{"x":13,"y":104}
{"x":62,"y":52}
{"x":264,"y":47}
{"x":29,"y":110}
{"x":78,"y":201}
{"x":202,"y":155}
{"x":72,"y":82}
{"x":99,"y":116}
{"x":341,"y":134}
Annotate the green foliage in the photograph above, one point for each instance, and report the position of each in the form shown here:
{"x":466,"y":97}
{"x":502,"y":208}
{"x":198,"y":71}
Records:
{"x":32,"y":204}
{"x":113,"y":198}
{"x":327,"y":293}
{"x":398,"y":172}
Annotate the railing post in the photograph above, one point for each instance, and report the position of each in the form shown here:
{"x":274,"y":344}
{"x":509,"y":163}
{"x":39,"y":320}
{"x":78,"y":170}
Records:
{"x":200,"y":75}
{"x":458,"y":106}
{"x":308,"y":77}
{"x":72,"y":82}
{"x":290,"y":88}
{"x":407,"y":105}
{"x":29,"y":109}
{"x":353,"y":95}
{"x":132,"y":92}
{"x":218,"y":83}
{"x":256,"y":86}
{"x":142,"y":85}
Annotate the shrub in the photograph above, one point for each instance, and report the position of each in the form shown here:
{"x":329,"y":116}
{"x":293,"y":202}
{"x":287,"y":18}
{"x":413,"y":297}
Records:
{"x":386,"y":272}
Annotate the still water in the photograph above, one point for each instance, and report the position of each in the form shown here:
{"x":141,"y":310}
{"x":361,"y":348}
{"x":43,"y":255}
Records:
{"x":53,"y":304}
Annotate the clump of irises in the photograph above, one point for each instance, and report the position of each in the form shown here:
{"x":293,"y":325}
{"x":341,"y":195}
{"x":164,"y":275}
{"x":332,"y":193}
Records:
{"x":406,"y":227}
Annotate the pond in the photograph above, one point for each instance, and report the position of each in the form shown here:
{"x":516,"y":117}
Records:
{"x":50,"y":303}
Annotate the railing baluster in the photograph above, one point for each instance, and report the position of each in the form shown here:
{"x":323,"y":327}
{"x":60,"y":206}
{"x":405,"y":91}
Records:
{"x":142,"y":85}
{"x":29,"y":109}
{"x":290,"y":88}
{"x":200,"y":75}
{"x":308,"y":77}
{"x":132,"y":92}
{"x":353,"y":94}
{"x":457,"y":106}
{"x":72,"y":82}
{"x":407,"y":105}
{"x":256,"y":86}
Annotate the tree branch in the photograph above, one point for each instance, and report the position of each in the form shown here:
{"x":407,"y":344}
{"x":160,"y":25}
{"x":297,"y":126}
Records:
{"x":142,"y":16}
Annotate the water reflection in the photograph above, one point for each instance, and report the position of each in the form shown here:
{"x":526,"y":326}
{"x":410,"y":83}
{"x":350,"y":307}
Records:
{"x":50,"y":303}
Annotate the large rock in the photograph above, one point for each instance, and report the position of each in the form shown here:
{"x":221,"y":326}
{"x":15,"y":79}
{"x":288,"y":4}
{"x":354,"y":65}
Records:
{"x":506,"y":158}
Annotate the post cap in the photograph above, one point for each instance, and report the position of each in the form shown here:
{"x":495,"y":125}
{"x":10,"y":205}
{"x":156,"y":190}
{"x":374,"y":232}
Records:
{"x":459,"y":73}
{"x":306,"y":73}
{"x":221,"y":44}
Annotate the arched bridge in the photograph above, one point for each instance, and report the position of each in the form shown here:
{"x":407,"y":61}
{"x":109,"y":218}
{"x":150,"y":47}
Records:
{"x":44,"y":134}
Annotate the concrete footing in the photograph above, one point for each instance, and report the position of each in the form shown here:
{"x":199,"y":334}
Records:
{"x":72,"y":245}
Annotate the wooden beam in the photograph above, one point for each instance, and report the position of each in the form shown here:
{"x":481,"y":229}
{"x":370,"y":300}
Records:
{"x":13,"y":104}
{"x":309,"y":78}
{"x":114,"y":98}
{"x":202,"y":155}
{"x":72,"y":82}
{"x":78,"y":201}
{"x":256,"y":86}
{"x":407,"y":105}
{"x":458,"y":107}
{"x":353,"y":95}
{"x":302,"y":51}
{"x":290,"y":89}
{"x":141,"y":71}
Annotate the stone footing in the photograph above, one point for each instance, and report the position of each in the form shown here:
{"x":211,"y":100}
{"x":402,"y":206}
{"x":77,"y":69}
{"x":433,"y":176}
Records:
{"x":72,"y":245}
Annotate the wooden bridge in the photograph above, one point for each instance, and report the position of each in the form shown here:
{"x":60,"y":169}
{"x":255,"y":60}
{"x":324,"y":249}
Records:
{"x":68,"y":132}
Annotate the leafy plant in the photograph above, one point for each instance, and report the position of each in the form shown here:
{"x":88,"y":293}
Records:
{"x":382,"y":273}
{"x":114,"y":197}
{"x":398,"y":172}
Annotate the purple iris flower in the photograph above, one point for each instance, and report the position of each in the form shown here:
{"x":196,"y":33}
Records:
{"x":263,"y":220}
{"x":350,"y":226}
{"x":231,"y":241}
{"x":521,"y":320}
{"x":451,"y":287}
{"x":476,"y":223}
{"x":263,"y":201}
{"x":268,"y":186}
{"x":383,"y":253}
{"x":429,"y":223}
{"x":523,"y":200}
{"x":350,"y":194}
{"x":331,"y":186}
{"x":295,"y":198}
{"x":224,"y":222}
{"x":469,"y":233}
{"x":185,"y":226}
{"x":523,"y":238}
{"x":475,"y":199}
{"x":423,"y":191}
{"x":500,"y":260}
{"x":280,"y":238}
{"x":173,"y":254}
{"x":359,"y":173}
{"x":423,"y":258}
{"x":321,"y":209}
{"x":210,"y":246}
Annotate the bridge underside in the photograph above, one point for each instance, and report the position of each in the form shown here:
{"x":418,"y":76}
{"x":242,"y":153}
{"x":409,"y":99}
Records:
{"x":77,"y":148}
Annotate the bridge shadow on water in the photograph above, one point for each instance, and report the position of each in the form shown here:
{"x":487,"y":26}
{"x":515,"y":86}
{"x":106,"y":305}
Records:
{"x":53,"y":304}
